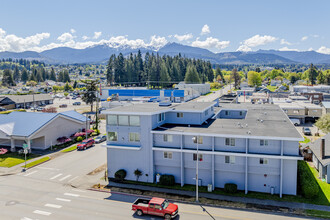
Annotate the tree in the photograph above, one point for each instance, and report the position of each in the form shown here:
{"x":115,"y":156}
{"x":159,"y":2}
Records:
{"x":219,"y":75}
{"x":254,"y":78}
{"x":312,"y":74}
{"x":164,"y":76}
{"x":237,"y":78}
{"x":324,"y":123}
{"x":66,"y":76}
{"x":192,"y":75}
{"x":75,"y":84}
{"x":52,"y":75}
{"x":16,"y":75}
{"x":137,"y":173}
{"x":67,"y":87}
{"x":7,"y":78}
{"x":258,"y":70}
{"x":321,"y":77}
{"x":89,"y":96}
{"x":25,"y":75}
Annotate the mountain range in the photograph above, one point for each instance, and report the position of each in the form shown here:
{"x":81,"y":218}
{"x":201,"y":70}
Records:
{"x":101,"y":53}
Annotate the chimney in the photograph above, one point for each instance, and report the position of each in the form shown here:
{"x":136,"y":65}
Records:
{"x":322,"y":148}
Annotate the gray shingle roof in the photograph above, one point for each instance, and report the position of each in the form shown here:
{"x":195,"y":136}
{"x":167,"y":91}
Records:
{"x":316,"y":148}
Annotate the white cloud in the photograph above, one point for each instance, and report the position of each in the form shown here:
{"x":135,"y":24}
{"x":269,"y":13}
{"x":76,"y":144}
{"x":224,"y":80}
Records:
{"x":258,"y":40}
{"x":324,"y":50}
{"x":65,"y":37}
{"x":304,"y":38}
{"x":210,"y":43}
{"x":14,"y":43}
{"x":157,"y":42}
{"x":183,"y":37}
{"x":97,"y":35}
{"x":287,"y":49}
{"x":85,"y":37}
{"x":72,"y":31}
{"x":205,"y":29}
{"x":316,"y":35}
{"x":283,"y":41}
{"x":244,"y":48}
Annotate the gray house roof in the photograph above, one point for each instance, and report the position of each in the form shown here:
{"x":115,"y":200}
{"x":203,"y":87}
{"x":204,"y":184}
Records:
{"x":29,"y":98}
{"x":315,"y":148}
{"x":26,"y":123}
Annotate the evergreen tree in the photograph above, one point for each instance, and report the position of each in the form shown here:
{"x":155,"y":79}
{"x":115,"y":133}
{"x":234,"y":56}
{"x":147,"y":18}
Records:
{"x":25,"y":75}
{"x":321,"y":77}
{"x":7,"y":78}
{"x":219,"y":73}
{"x":66,"y":76}
{"x":110,"y":69}
{"x":89,"y":97}
{"x":39,"y":77}
{"x":164,"y":76}
{"x":52,"y":75}
{"x":33,"y":77}
{"x":192,"y":75}
{"x":75,"y":84}
{"x":60,"y":77}
{"x":236,"y":77}
{"x":312,"y":74}
{"x":120,"y":75}
{"x":16,"y":75}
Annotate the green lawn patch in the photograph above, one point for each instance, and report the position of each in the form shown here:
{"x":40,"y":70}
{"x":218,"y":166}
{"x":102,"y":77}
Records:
{"x":305,"y":141}
{"x":272,"y":88}
{"x":69,"y":149}
{"x":318,"y":214}
{"x":207,"y":94}
{"x":36,"y":162}
{"x":324,"y":193}
{"x":213,"y":90}
{"x":13,"y":159}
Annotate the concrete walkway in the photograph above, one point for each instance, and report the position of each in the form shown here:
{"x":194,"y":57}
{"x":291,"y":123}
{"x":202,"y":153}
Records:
{"x":263,"y":202}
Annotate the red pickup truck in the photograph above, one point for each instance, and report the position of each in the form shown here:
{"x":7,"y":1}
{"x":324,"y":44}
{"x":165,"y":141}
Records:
{"x":155,"y":206}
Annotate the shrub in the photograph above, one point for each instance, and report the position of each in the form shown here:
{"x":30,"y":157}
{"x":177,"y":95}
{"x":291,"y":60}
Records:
{"x":230,"y":188}
{"x":120,"y":175}
{"x":167,"y":180}
{"x":137,"y":173}
{"x":307,"y":183}
{"x":80,"y":138}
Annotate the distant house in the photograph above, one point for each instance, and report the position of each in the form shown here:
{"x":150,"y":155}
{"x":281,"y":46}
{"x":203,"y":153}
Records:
{"x":274,"y":82}
{"x":321,"y":156}
{"x":38,"y":130}
{"x":6,"y":103}
{"x":27,"y":101}
{"x":326,"y":107}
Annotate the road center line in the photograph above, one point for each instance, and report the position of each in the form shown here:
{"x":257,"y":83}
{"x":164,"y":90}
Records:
{"x":28,"y":174}
{"x":53,"y":206}
{"x":65,"y":177}
{"x":54,"y":177}
{"x":63,"y":200}
{"x":71,"y":194}
{"x":42,"y":212}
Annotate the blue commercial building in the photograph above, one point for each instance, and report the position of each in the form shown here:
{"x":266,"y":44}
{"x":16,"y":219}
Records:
{"x":255,"y":147}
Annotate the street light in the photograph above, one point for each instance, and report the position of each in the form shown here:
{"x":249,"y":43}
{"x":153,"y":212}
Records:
{"x":195,"y":140}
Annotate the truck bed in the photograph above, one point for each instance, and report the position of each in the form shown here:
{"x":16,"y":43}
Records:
{"x":142,"y":202}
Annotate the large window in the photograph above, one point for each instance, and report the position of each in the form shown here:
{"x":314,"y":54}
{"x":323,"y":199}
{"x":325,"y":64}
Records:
{"x":168,"y":137}
{"x":123,"y":120}
{"x":200,"y":140}
{"x":167,"y":155}
{"x":263,"y":142}
{"x":263,"y":161}
{"x":230,"y":159}
{"x":134,"y":120}
{"x":230,"y":142}
{"x":112,"y":120}
{"x":200,"y":157}
{"x":134,"y":137}
{"x":161,"y":117}
{"x":179,"y":115}
{"x":112,"y":136}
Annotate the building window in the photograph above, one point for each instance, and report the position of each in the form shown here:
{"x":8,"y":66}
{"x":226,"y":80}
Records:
{"x":200,"y":140}
{"x":263,"y":161}
{"x":240,"y":113}
{"x":212,"y":109}
{"x":134,"y":121}
{"x":206,"y":112}
{"x":123,"y":120}
{"x":263,"y":142}
{"x":226,"y":112}
{"x":168,"y":137}
{"x":161,"y":117}
{"x":112,"y":120}
{"x":179,"y":115}
{"x":167,"y":155}
{"x":134,"y":137}
{"x":230,"y":142}
{"x":295,"y":111}
{"x":200,"y":157}
{"x":112,"y":136}
{"x":230,"y":159}
{"x":316,"y":96}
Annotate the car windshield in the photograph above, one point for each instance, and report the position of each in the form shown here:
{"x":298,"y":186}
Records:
{"x":165,"y":204}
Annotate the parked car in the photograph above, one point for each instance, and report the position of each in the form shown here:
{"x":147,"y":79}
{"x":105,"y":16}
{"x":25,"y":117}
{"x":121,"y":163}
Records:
{"x":63,"y":106}
{"x":74,"y":97}
{"x":307,"y":131}
{"x":100,"y":139}
{"x":67,"y":97}
{"x":40,"y":109}
{"x":2,"y":109}
{"x":76,"y":103}
{"x":155,"y":206}
{"x":86,"y":144}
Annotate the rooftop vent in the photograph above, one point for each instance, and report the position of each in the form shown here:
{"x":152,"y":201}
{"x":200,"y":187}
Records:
{"x":248,"y":132}
{"x":165,"y":104}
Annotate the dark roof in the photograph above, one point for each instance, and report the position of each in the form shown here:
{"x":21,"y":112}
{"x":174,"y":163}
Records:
{"x":316,"y":149}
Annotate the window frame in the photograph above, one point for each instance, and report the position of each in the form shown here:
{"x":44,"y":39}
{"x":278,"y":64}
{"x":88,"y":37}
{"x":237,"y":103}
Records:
{"x":122,"y":116}
{"x":116,"y":135}
{"x":263,"y":161}
{"x":179,"y":114}
{"x":168,"y":138}
{"x":115,"y":116}
{"x":169,"y":155}
{"x":264,"y":142}
{"x":230,"y":159}
{"x":134,"y":116}
{"x":231,"y":142}
{"x":200,"y":157}
{"x":161,"y":117}
{"x":136,"y":137}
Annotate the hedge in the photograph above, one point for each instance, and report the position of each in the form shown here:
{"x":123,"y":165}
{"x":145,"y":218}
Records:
{"x":230,"y":188}
{"x":10,"y":111}
{"x":120,"y":175}
{"x":167,"y":180}
{"x":307,"y":183}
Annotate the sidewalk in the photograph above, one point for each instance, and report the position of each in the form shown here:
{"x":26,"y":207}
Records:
{"x":281,"y":204}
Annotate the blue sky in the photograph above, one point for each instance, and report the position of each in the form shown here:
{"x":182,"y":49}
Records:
{"x":215,"y":25}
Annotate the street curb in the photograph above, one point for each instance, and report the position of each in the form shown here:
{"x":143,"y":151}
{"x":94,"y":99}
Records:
{"x":38,"y":163}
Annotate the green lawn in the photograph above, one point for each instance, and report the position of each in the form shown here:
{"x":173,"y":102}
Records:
{"x":36,"y":162}
{"x":69,"y":149}
{"x":272,"y":88}
{"x":13,"y":159}
{"x":324,"y":194}
{"x":305,"y":141}
{"x":213,"y":90}
{"x":207,"y":94}
{"x":318,"y":214}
